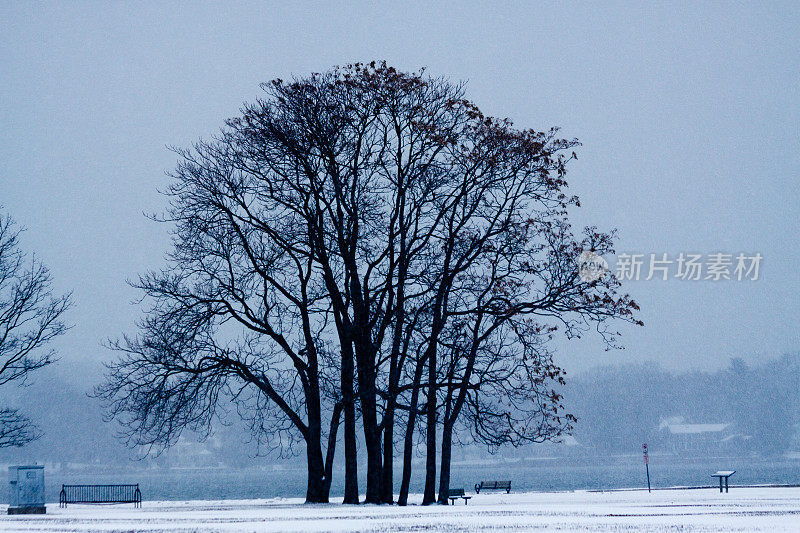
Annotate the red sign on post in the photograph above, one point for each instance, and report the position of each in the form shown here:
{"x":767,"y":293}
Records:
{"x":646,"y":465}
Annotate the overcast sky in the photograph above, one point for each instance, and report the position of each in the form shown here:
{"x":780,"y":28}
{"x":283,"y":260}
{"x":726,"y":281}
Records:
{"x":689,"y":118}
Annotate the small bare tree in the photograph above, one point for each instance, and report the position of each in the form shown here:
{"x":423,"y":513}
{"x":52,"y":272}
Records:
{"x":30,"y":317}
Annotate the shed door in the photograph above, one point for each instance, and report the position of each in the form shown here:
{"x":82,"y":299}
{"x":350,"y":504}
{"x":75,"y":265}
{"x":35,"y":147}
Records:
{"x":31,"y":487}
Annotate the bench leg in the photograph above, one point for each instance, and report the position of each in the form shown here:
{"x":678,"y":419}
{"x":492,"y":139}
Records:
{"x":720,"y":484}
{"x":726,"y":485}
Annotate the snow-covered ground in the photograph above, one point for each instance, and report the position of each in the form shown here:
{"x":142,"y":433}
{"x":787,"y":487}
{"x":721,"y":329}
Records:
{"x":743,"y":509}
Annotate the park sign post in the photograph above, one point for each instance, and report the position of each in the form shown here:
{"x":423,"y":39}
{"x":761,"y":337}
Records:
{"x":646,"y":465}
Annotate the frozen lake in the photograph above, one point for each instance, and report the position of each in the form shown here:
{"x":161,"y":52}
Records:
{"x":743,"y":509}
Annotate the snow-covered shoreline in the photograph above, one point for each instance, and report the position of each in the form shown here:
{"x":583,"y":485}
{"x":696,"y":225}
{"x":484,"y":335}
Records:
{"x":743,"y":509}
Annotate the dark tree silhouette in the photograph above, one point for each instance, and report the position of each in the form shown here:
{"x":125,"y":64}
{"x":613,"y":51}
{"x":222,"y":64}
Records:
{"x":30,"y":317}
{"x":332,"y":244}
{"x":238,"y":314}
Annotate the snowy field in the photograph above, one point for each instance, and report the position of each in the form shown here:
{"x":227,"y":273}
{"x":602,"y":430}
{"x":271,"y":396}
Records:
{"x":743,"y":509}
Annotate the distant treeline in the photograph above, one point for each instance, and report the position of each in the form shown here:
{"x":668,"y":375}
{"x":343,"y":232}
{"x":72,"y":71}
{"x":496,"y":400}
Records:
{"x":74,"y":432}
{"x":620,"y":407}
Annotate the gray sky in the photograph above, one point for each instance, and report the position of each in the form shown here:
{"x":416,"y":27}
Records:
{"x":689,"y":116}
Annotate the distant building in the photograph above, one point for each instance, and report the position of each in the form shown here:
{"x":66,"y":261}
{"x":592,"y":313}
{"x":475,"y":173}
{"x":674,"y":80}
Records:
{"x":681,"y":437}
{"x":192,"y":454}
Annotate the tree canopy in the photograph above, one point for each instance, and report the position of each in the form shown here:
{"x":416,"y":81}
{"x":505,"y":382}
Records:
{"x":365,"y":243}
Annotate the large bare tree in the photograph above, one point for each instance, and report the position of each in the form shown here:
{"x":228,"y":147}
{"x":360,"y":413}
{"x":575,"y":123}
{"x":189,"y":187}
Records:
{"x":362,"y":242}
{"x":30,"y":317}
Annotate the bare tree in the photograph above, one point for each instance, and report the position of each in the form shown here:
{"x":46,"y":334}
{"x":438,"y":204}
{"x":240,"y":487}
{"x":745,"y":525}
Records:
{"x":16,"y":429}
{"x":30,"y":317}
{"x":360,"y":146}
{"x":502,"y":252}
{"x":333,"y":243}
{"x":498,"y":364}
{"x":239,"y":314}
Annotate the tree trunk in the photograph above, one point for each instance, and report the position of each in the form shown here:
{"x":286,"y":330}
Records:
{"x":374,"y":466}
{"x":444,"y":473}
{"x":350,"y":450}
{"x":350,"y":455}
{"x":408,"y":445}
{"x":387,"y":477}
{"x":408,"y":448}
{"x":331,"y":451}
{"x":430,"y":442}
{"x":316,"y":491}
{"x":372,"y":437}
{"x":318,"y":488}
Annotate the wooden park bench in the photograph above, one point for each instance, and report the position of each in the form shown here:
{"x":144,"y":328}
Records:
{"x":723,"y":474}
{"x":493,"y":485}
{"x":100,"y":494}
{"x":454,"y":494}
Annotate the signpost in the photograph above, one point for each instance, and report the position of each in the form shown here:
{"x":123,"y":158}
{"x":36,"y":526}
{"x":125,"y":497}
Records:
{"x":646,"y":465}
